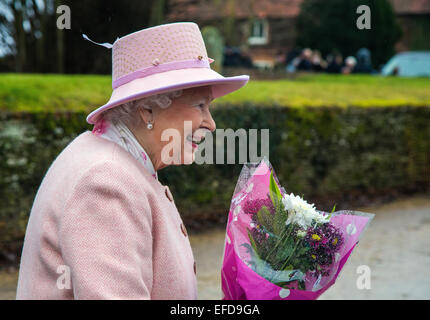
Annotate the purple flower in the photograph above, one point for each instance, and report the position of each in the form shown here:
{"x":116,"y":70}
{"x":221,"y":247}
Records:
{"x":324,"y":241}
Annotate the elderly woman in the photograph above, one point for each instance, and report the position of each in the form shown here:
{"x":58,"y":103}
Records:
{"x":102,"y":226}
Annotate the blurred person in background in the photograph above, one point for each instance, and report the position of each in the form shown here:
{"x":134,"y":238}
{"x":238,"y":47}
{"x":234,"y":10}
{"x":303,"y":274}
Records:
{"x":334,"y":62}
{"x":292,"y":60}
{"x":364,"y":61}
{"x":292,"y":54}
{"x":231,"y":57}
{"x":318,"y":64}
{"x":280,"y":60}
{"x":305,"y":62}
{"x":237,"y":57}
{"x":350,"y":63}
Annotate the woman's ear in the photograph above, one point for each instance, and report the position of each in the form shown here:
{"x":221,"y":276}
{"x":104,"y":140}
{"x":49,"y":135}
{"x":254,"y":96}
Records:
{"x":146,"y":115}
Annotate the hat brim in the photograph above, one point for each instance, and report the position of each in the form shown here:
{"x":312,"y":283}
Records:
{"x":169,"y":81}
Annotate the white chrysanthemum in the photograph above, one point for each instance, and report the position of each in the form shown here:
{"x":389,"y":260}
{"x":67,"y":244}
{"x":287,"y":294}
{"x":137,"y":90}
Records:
{"x":301,"y":212}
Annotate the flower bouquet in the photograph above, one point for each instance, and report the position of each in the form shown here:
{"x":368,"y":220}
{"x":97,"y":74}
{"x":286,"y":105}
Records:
{"x":278,"y":246}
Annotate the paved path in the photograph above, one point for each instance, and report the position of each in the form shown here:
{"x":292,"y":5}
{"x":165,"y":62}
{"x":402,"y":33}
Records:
{"x":395,"y":247}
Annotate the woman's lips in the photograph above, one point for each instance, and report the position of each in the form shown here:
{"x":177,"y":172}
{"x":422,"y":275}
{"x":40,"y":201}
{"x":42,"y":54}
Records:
{"x":192,"y":144}
{"x":190,"y":140}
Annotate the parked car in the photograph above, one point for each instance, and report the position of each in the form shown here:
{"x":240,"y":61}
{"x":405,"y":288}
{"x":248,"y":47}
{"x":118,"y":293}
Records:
{"x":408,"y":64}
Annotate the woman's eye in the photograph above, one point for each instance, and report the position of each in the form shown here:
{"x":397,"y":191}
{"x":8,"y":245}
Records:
{"x":201,"y":105}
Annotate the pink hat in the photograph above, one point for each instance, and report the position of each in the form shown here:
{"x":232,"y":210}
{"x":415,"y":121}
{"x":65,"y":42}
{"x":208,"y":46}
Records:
{"x":160,"y":59}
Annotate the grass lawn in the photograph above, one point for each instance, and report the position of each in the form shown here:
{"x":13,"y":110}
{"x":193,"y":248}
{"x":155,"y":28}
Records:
{"x":25,"y":92}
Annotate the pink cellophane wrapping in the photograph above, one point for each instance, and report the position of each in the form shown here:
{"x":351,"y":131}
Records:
{"x":239,"y":281}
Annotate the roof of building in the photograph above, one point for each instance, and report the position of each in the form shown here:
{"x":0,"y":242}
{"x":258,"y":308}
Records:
{"x":411,"y":6}
{"x":209,"y":10}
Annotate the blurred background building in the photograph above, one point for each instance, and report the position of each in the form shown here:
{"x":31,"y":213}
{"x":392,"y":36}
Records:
{"x":264,"y":34}
{"x":267,"y":28}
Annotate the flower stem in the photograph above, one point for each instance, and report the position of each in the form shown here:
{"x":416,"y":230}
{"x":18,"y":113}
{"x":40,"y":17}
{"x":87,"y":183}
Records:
{"x":280,"y":240}
{"x":292,"y":253}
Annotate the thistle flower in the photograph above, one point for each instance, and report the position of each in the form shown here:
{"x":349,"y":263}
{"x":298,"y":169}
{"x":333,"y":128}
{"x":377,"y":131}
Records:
{"x":253,"y":206}
{"x":100,"y":127}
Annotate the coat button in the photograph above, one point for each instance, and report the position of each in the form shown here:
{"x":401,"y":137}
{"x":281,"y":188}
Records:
{"x":168,"y":194}
{"x":184,"y":230}
{"x":194,"y":267}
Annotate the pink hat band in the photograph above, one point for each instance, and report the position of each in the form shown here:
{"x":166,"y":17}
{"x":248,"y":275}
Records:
{"x":160,"y":59}
{"x":196,"y":63}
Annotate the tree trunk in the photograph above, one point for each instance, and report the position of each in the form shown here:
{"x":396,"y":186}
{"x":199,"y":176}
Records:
{"x":60,"y":44}
{"x":157,"y":13}
{"x":40,"y":19}
{"x":19,"y":35}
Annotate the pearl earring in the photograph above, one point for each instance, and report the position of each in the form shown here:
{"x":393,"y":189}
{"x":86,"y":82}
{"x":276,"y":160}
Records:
{"x":149,"y":125}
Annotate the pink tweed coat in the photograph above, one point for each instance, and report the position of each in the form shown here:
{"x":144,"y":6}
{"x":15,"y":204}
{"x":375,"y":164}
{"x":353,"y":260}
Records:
{"x":101,"y":227}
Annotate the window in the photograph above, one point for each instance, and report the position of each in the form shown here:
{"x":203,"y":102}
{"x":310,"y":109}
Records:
{"x":259,"y":32}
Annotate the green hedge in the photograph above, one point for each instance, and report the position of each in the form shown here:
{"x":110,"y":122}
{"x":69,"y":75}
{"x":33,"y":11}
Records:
{"x":320,"y":153}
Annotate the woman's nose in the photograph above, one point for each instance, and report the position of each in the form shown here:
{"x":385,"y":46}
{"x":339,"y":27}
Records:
{"x":209,"y":121}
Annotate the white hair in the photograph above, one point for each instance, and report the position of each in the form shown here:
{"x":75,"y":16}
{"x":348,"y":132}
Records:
{"x":128,"y":113}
